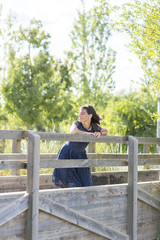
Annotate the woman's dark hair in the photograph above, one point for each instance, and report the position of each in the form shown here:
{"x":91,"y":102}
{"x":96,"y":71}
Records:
{"x":96,"y":119}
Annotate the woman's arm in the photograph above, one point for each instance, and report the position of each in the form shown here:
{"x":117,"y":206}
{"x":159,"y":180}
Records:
{"x":104,"y":131}
{"x":74,"y":130}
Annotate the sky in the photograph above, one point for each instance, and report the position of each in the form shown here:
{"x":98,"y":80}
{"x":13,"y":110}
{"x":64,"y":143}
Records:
{"x":57,"y":17}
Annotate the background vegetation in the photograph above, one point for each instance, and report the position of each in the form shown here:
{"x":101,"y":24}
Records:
{"x":43,"y":93}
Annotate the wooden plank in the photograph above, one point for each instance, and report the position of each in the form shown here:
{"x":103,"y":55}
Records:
{"x":105,"y":204}
{"x":132,"y":187}
{"x":16,"y":148}
{"x":33,"y":185}
{"x":152,"y":188}
{"x":80,"y":163}
{"x":146,"y":148}
{"x":12,"y":134}
{"x":80,"y":138}
{"x":13,"y":156}
{"x":4,"y":165}
{"x":72,"y":163}
{"x":148,"y":198}
{"x":17,"y":134}
{"x":46,"y":161}
{"x":18,"y":183}
{"x":92,"y":149}
{"x":78,"y":219}
{"x":44,"y":156}
{"x":148,"y":140}
{"x":15,"y":208}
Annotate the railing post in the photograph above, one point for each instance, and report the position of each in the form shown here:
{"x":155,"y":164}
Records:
{"x":33,"y":185}
{"x":146,"y":148}
{"x":16,"y":148}
{"x":92,"y":149}
{"x":132,"y":187}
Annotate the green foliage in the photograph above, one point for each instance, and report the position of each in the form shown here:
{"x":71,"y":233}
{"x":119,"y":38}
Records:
{"x":37,"y":86}
{"x":142,"y":22}
{"x":91,"y":60}
{"x":44,"y":93}
{"x":132,"y":114}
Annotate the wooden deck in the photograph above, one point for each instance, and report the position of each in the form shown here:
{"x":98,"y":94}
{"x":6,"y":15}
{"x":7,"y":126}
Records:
{"x":124,"y":211}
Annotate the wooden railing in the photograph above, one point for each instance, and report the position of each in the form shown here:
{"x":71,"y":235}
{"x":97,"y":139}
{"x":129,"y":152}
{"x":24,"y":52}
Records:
{"x":34,"y":160}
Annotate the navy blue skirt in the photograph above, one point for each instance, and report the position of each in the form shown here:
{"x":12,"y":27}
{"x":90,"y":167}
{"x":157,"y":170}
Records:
{"x":72,"y":177}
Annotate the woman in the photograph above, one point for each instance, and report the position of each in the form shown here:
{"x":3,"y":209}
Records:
{"x":88,"y":123}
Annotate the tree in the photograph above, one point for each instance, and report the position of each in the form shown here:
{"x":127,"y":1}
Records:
{"x":37,"y":86}
{"x":91,"y":59}
{"x":132,"y":114}
{"x":142,"y":22}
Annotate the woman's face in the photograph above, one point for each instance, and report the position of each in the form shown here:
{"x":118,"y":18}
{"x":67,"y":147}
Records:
{"x":84,"y":116}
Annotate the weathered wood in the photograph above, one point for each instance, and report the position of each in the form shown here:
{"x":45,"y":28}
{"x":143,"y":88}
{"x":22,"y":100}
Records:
{"x":33,"y":185}
{"x":17,"y":134}
{"x":92,"y":149}
{"x":120,"y":204}
{"x":80,"y":138}
{"x":110,"y":156}
{"x":47,"y":162}
{"x":15,"y":208}
{"x":13,"y":156}
{"x":13,"y":134}
{"x":105,"y":204}
{"x":6,"y":164}
{"x":16,"y":148}
{"x":148,"y":140}
{"x":119,"y":177}
{"x":148,"y":198}
{"x":146,"y":148}
{"x":83,"y":221}
{"x":81,"y":163}
{"x":132,"y":187}
{"x":18,"y":183}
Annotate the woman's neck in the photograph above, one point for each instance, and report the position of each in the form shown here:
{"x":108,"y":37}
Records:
{"x":87,"y":125}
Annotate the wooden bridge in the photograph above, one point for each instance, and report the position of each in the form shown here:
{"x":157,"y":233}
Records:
{"x":116,"y":212}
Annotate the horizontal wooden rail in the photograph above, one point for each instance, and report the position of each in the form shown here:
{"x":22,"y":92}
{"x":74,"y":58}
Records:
{"x":91,"y":156}
{"x":19,"y":161}
{"x":18,"y":134}
{"x":13,"y":134}
{"x":81,"y":138}
{"x":148,"y":140}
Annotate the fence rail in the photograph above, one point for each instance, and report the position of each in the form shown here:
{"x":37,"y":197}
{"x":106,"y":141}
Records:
{"x":19,"y":161}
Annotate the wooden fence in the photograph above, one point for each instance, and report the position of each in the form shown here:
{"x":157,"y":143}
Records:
{"x":32,"y":204}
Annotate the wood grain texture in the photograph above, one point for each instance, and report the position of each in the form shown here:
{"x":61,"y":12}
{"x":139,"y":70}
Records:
{"x":15,"y":208}
{"x":33,"y":185}
{"x":132,"y":187}
{"x":18,"y":183}
{"x":80,"y":138}
{"x":105,"y":204}
{"x":148,"y":198}
{"x":12,"y":134}
{"x":78,"y":219}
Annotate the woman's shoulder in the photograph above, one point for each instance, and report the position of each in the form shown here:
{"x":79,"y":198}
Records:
{"x":76,"y":122}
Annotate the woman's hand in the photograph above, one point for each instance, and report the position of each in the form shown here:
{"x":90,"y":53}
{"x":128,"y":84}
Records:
{"x":97,"y":135}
